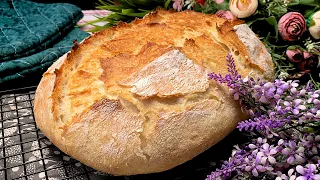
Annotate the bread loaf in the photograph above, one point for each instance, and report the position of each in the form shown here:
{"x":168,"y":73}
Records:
{"x":136,"y":98}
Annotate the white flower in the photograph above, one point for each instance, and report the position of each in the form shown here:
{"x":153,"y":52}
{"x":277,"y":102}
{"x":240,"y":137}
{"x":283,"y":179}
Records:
{"x":314,"y":27}
{"x":189,"y":3}
{"x":243,"y":8}
{"x":283,"y":75}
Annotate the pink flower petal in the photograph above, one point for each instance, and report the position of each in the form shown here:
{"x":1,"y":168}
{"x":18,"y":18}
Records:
{"x":272,"y":160}
{"x":295,"y":111}
{"x":219,"y":1}
{"x":293,"y":177}
{"x":286,"y":151}
{"x":290,"y":160}
{"x":255,"y":172}
{"x":261,"y":168}
{"x":301,"y":178}
{"x":300,"y":169}
{"x":273,"y":151}
{"x":247,"y":168}
{"x":225,"y":14}
{"x":316,"y":177}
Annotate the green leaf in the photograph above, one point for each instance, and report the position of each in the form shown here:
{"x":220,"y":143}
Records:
{"x":127,"y":11}
{"x":112,"y":8}
{"x":293,"y":47}
{"x":304,"y":2}
{"x":141,"y":14}
{"x":117,"y":16}
{"x":249,"y":23}
{"x":270,"y":20}
{"x":127,"y":3}
{"x":223,"y":6}
{"x":105,"y":2}
{"x":166,"y":4}
{"x":309,"y":12}
{"x":273,"y":22}
{"x":145,"y":10}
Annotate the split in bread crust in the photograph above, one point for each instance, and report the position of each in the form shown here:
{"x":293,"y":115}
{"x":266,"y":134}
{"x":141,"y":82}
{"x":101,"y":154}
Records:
{"x":135,"y":98}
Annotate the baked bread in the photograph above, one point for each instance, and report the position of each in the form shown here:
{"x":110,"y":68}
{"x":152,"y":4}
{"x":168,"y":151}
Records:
{"x":136,"y":98}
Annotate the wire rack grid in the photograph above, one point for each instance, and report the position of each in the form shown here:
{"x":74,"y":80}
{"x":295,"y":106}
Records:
{"x":25,"y":153}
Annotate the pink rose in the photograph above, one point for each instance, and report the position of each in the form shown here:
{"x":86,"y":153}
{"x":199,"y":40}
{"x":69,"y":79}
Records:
{"x":225,"y":14}
{"x":243,"y":8}
{"x":294,"y":55}
{"x":291,"y":26}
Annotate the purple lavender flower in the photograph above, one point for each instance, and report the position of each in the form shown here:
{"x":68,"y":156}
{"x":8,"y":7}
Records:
{"x":294,"y":154}
{"x":254,"y":166}
{"x":291,"y":175}
{"x":266,"y":153}
{"x":309,"y":172}
{"x":229,"y":78}
{"x":296,"y":106}
{"x":271,"y":105}
{"x":282,"y":113}
{"x":251,"y":161}
{"x":262,"y":123}
{"x":311,"y":143}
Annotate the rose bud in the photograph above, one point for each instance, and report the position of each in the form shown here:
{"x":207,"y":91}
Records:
{"x":291,"y":26}
{"x":294,"y":54}
{"x":225,"y":15}
{"x":243,"y":8}
{"x":314,"y":25}
{"x":302,"y":66}
{"x":311,"y":60}
{"x":307,"y":55}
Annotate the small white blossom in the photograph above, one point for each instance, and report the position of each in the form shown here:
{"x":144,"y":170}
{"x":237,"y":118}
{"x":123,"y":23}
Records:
{"x":286,"y":2}
{"x":189,"y":3}
{"x":283,"y":75}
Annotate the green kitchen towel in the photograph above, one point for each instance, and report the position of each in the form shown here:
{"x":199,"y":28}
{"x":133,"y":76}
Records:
{"x":22,"y":67}
{"x":34,"y":35}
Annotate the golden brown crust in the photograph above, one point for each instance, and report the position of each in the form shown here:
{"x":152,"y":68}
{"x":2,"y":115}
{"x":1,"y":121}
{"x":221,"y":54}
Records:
{"x":43,"y":111}
{"x":126,"y":101}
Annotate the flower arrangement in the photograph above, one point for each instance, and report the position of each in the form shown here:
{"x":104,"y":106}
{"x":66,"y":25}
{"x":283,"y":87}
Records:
{"x":283,"y":129}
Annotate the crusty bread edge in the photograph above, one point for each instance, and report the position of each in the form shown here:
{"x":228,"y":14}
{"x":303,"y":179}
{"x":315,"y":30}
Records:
{"x":43,"y":105}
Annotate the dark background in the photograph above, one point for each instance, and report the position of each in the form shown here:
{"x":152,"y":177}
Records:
{"x":83,"y":4}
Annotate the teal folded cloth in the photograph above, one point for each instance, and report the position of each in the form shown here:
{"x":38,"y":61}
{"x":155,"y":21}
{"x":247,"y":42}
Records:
{"x":34,"y":35}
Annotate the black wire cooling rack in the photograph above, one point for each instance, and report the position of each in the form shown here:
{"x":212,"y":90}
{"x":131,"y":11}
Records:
{"x":26,"y":154}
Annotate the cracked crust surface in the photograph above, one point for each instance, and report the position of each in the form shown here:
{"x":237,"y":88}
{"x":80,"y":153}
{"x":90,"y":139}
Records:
{"x":134,"y":99}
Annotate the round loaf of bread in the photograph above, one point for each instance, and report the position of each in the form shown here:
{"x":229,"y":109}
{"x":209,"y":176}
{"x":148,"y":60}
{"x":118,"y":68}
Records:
{"x":136,"y":98}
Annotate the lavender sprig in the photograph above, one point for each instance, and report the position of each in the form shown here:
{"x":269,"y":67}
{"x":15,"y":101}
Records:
{"x":286,"y":116}
{"x":272,"y":105}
